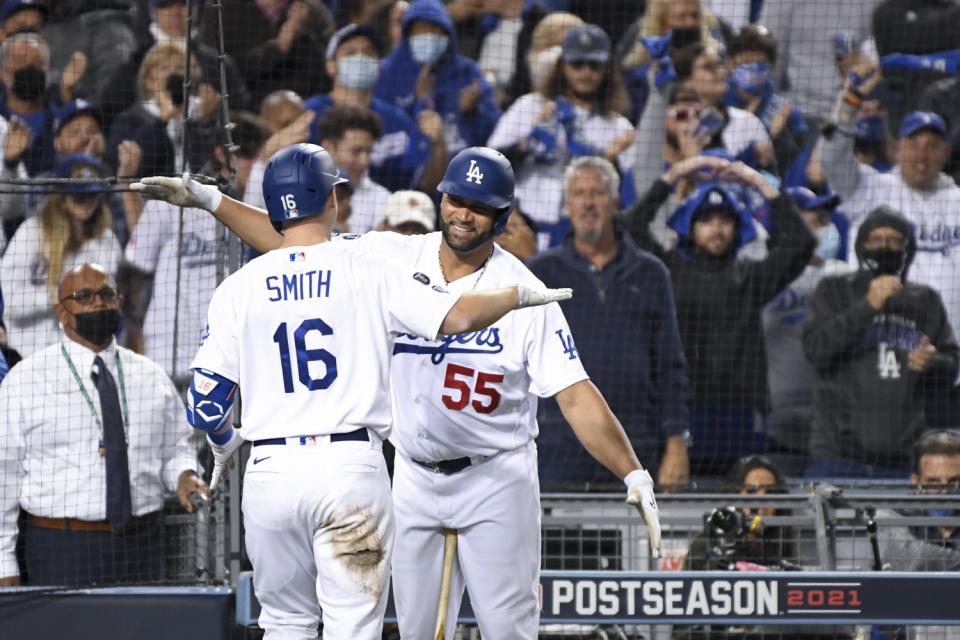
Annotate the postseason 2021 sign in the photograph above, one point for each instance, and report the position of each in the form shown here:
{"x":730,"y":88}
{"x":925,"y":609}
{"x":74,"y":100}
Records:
{"x":761,"y":597}
{"x":695,"y":597}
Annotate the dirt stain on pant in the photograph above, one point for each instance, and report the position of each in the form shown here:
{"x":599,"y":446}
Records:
{"x":358,"y":546}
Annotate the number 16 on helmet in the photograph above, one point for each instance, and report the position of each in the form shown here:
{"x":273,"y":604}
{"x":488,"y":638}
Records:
{"x":297,"y":182}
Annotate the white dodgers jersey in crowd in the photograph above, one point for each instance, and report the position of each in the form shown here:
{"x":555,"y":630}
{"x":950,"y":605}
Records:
{"x":153,"y":249}
{"x":307,"y":333}
{"x":473,"y":394}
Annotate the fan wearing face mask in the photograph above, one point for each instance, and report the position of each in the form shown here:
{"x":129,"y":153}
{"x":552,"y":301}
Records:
{"x":425,"y":72}
{"x":411,"y":153}
{"x":882,"y":348}
{"x":26,"y":102}
{"x":687,"y":21}
{"x":752,"y":56}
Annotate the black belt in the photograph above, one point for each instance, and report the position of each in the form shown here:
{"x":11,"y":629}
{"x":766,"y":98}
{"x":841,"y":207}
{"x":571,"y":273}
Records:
{"x":356,"y":435}
{"x":446,"y":467}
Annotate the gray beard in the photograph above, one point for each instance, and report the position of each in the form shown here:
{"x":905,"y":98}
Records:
{"x":590,"y":236}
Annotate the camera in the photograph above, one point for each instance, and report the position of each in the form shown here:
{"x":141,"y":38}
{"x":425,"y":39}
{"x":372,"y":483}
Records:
{"x":727,"y":531}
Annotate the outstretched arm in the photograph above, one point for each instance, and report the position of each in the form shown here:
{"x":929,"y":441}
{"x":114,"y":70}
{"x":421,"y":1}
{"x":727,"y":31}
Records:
{"x":476,"y":310}
{"x":250,"y":223}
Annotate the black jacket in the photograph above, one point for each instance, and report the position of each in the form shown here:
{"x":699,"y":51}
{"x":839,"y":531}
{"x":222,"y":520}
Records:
{"x":869,"y":405}
{"x":622,"y":318}
{"x":720,"y":302}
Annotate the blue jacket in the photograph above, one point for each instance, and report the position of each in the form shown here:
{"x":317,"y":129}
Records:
{"x":453,"y":73}
{"x":400,"y":154}
{"x":625,"y":327}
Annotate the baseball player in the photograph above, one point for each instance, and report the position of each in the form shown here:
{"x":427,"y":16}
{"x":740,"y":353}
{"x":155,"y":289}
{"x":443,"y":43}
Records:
{"x":306,"y":331}
{"x":464,"y":413}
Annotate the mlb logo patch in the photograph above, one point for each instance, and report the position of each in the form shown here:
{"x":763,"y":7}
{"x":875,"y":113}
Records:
{"x":298,"y":256}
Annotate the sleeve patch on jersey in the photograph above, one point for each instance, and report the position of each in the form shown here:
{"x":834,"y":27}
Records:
{"x":421,"y":278}
{"x":566,"y":341}
{"x":439,"y":289}
{"x":205,"y":334}
{"x":203,"y":384}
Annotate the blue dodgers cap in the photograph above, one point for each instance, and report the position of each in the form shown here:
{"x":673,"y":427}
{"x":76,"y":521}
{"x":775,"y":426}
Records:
{"x":585,"y":42}
{"x":80,"y":166}
{"x":73,"y":109}
{"x":807,"y":200}
{"x":10,"y":7}
{"x":922,"y":121}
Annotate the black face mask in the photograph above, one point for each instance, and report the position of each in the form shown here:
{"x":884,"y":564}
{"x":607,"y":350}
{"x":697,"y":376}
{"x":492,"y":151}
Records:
{"x":29,"y":83}
{"x":884,"y":262}
{"x":175,"y":87}
{"x":682,"y":37}
{"x":98,"y":327}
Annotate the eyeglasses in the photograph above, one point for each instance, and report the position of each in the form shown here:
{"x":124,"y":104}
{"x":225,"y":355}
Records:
{"x":86,"y":296}
{"x":682,"y":114}
{"x":589,"y":64}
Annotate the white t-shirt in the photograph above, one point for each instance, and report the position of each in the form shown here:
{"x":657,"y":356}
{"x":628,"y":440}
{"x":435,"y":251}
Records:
{"x":539,"y":185}
{"x":307,"y":333}
{"x":743,"y":129}
{"x":31,"y":322}
{"x":474,"y":394}
{"x":153,"y":249}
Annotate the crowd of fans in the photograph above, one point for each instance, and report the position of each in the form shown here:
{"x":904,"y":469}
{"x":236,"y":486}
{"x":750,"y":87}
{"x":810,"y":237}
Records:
{"x":755,"y":202}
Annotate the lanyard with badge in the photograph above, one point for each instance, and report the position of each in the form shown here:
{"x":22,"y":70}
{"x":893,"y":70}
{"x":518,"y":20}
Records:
{"x":86,"y":396}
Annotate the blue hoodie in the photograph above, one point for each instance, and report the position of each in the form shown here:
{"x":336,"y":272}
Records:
{"x":712,"y":195}
{"x":453,"y":73}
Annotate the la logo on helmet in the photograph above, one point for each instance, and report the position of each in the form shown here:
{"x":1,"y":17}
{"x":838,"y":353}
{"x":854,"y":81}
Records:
{"x":473,"y":173}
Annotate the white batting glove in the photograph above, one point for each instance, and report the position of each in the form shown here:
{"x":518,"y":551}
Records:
{"x":640,"y":494}
{"x":223,"y":457}
{"x":181,"y":192}
{"x":527,"y":297}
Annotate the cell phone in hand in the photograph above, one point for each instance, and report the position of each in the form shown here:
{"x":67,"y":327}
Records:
{"x":711,"y":123}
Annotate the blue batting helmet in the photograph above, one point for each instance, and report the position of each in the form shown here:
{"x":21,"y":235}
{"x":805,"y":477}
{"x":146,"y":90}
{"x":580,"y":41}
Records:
{"x":483,"y":175}
{"x":297,"y":182}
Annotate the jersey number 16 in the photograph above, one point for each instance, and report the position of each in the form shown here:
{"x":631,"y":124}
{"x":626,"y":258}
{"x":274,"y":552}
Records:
{"x":305,"y":356}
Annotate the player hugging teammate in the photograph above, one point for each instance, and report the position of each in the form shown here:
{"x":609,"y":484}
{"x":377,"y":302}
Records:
{"x":462,"y":410}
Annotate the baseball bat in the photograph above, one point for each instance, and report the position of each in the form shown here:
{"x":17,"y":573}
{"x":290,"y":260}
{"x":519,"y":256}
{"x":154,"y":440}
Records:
{"x":449,"y":553}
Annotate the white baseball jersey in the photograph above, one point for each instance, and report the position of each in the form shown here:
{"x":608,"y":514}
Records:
{"x":307,"y":333}
{"x":473,"y":394}
{"x":153,"y":249}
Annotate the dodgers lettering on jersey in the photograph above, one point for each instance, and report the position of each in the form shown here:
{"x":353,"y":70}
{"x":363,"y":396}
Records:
{"x":473,"y":394}
{"x":315,"y":359}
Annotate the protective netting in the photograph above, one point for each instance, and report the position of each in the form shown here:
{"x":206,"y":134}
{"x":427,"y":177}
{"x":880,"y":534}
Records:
{"x":755,"y":202}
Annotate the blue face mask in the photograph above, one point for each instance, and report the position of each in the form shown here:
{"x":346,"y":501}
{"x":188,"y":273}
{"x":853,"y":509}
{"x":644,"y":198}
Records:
{"x":427,"y":48}
{"x":828,"y":242}
{"x":358,"y":71}
{"x":870,"y":129}
{"x":752,"y":77}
